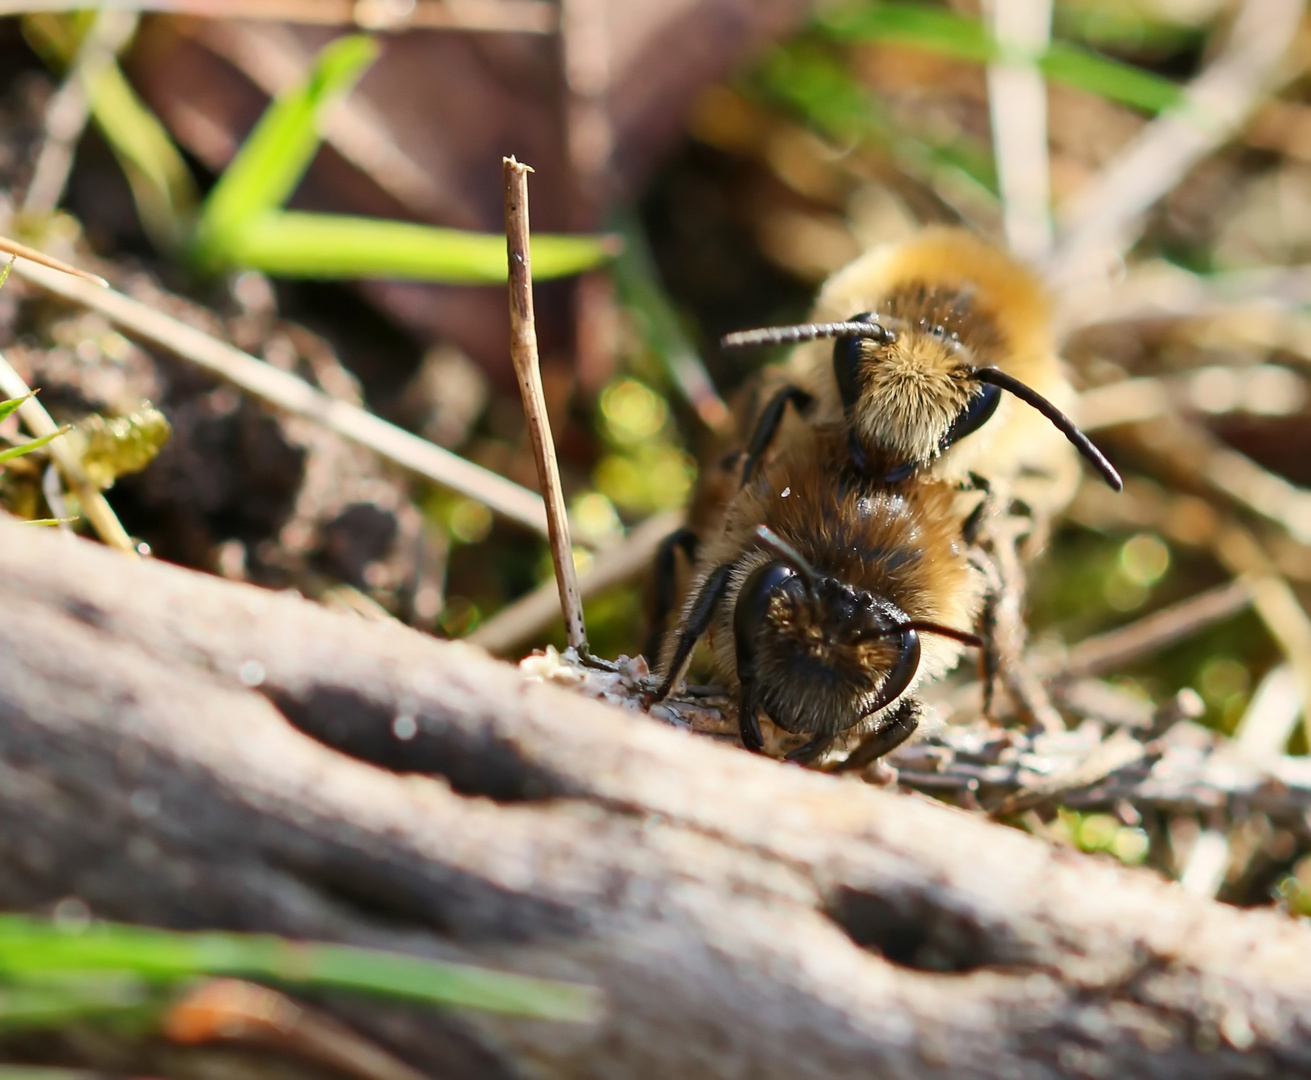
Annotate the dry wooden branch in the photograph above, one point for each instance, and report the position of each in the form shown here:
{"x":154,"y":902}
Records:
{"x":528,"y":372}
{"x":741,"y":916}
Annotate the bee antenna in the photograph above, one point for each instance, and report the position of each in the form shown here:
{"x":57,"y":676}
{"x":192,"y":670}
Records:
{"x":1063,"y":423}
{"x":926,"y":626}
{"x":780,"y":547}
{"x":790,"y":335}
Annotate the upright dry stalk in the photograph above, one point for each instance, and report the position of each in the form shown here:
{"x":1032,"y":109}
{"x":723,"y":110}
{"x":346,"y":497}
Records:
{"x":523,"y":353}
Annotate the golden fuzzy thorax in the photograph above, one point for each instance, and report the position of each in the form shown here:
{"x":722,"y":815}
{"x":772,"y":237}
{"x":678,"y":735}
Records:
{"x":901,"y":545}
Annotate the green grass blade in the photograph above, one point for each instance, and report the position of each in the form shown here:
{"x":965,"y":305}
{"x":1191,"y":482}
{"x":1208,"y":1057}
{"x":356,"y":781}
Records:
{"x":294,"y":244}
{"x":8,"y":408}
{"x":162,"y":185}
{"x":952,"y":34}
{"x":1109,"y":79}
{"x":816,"y":84}
{"x":29,"y":947}
{"x":637,"y":282}
{"x":11,"y":452}
{"x":49,"y":1001}
{"x":939,"y":30}
{"x":277,"y":152}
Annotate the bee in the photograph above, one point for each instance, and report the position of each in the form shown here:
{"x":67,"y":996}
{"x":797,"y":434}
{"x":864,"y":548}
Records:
{"x":829,"y":597}
{"x":926,"y":336}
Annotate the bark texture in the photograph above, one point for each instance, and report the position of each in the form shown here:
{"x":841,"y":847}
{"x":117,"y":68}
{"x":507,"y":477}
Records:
{"x":179,"y":750}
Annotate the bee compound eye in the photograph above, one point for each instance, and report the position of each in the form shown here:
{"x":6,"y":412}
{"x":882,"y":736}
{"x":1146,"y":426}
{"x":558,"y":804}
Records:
{"x":751,"y":611}
{"x":848,"y":356}
{"x":976,"y":413}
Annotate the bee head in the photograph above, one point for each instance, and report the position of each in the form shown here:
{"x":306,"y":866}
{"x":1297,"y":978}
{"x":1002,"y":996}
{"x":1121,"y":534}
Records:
{"x":815,"y":653}
{"x":910,"y":392}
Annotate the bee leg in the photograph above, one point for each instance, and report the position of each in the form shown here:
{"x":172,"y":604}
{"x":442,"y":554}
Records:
{"x":899,"y":727}
{"x":748,"y":724}
{"x":665,"y":570}
{"x":771,"y":416}
{"x":804,"y":755}
{"x":696,"y":624}
{"x":1004,"y":632}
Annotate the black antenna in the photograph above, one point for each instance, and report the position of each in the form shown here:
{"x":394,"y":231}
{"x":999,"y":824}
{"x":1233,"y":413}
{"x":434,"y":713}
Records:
{"x":780,"y":547}
{"x":790,"y":335}
{"x":1063,"y":423}
{"x":926,"y":626}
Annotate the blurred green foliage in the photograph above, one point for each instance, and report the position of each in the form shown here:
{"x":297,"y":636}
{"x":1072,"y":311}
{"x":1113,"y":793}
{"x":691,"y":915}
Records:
{"x":1088,"y":582}
{"x":7,"y":409}
{"x":53,"y":971}
{"x":241,"y":224}
{"x":1101,"y":832}
{"x":962,"y":37}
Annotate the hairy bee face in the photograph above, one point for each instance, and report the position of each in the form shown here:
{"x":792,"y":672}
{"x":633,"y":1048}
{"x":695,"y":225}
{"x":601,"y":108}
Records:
{"x":819,"y":656}
{"x":905,"y":397}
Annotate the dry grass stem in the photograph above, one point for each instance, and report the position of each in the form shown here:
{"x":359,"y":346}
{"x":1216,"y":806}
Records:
{"x":527,"y":369}
{"x":40,"y":423}
{"x":1118,"y":752}
{"x":1137,"y":640}
{"x":1273,"y":600}
{"x":1099,"y":224}
{"x":13,"y":247}
{"x":1261,"y":737}
{"x":474,"y":16}
{"x":284,"y":391}
{"x":515,"y":626}
{"x":1017,"y":104}
{"x":70,"y":107}
{"x":1160,"y":290}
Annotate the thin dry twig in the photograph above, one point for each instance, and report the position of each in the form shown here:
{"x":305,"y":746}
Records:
{"x":40,"y":423}
{"x":285,"y":391}
{"x":1098,"y":225}
{"x":1213,"y":389}
{"x":521,"y":621}
{"x":1273,"y":600}
{"x":1156,"y":289}
{"x":1017,"y":106}
{"x":1260,"y":738}
{"x":1188,"y":449}
{"x":1118,"y":752}
{"x":527,"y":369}
{"x":22,"y":251}
{"x":1125,"y":644}
{"x":474,"y":16}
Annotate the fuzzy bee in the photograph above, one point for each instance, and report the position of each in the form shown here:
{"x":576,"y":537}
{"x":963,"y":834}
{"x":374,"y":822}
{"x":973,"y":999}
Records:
{"x":828,"y":597}
{"x":926,"y":335}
